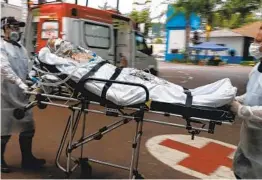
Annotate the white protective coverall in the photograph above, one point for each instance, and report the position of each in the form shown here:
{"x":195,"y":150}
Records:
{"x":14,"y":70}
{"x":248,"y":157}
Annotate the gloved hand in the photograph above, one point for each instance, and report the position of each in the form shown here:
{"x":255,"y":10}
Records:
{"x":32,"y":73}
{"x":22,"y":85}
{"x":240,"y":99}
{"x":235,"y":105}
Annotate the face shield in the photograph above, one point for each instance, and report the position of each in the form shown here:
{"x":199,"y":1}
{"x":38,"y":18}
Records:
{"x":64,"y":48}
{"x":12,"y":27}
{"x":254,"y":50}
{"x":54,"y":44}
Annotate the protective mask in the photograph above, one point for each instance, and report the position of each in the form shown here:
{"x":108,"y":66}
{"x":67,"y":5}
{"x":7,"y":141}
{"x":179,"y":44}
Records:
{"x":15,"y":36}
{"x":254,"y":51}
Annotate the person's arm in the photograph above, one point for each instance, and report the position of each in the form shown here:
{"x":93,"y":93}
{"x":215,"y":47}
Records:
{"x":250,"y":113}
{"x":7,"y":72}
{"x":29,"y":61}
{"x":241,"y":98}
{"x":247,"y":112}
{"x":49,"y":58}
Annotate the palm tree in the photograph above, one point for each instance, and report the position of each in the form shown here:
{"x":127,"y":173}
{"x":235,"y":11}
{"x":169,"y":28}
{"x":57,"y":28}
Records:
{"x":204,"y":8}
{"x":186,"y":7}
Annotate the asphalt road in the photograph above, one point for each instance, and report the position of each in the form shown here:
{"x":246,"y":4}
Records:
{"x":116,"y":146}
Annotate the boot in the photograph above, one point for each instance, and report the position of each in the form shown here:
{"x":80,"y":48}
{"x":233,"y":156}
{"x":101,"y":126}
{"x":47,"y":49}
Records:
{"x":29,"y":161}
{"x":4,"y":166}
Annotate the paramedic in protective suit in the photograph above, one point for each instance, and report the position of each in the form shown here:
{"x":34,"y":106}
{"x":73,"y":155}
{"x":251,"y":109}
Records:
{"x":247,"y":162}
{"x":14,"y":70}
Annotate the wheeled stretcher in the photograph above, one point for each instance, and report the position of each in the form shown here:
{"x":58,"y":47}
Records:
{"x":197,"y":118}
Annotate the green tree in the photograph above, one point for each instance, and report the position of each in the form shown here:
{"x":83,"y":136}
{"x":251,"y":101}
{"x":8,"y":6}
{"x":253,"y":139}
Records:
{"x":236,"y":13}
{"x":250,"y":18}
{"x":145,"y":18}
{"x":217,"y":20}
{"x":207,"y":9}
{"x":204,"y":8}
{"x":158,"y":41}
{"x":244,"y":7}
{"x":185,"y":7}
{"x":234,"y":21}
{"x":142,"y":17}
{"x":134,"y":15}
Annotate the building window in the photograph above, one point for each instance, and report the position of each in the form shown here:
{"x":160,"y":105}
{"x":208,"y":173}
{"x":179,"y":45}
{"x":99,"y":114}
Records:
{"x":97,"y":36}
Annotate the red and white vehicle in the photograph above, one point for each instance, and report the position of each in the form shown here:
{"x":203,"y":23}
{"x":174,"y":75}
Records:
{"x":105,"y":32}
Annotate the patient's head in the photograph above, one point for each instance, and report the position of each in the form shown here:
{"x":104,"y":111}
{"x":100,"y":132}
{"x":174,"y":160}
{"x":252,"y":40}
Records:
{"x":66,"y":49}
{"x":54,"y":44}
{"x":61,"y":47}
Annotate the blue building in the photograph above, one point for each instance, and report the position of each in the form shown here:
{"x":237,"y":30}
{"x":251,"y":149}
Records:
{"x":176,"y":33}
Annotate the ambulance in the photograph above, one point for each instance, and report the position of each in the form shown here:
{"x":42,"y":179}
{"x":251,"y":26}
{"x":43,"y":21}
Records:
{"x":106,"y":32}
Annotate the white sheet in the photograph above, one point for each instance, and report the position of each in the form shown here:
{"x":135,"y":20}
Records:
{"x":216,"y":94}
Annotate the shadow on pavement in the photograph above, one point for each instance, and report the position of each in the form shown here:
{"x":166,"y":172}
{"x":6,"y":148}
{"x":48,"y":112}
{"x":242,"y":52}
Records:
{"x":52,"y":172}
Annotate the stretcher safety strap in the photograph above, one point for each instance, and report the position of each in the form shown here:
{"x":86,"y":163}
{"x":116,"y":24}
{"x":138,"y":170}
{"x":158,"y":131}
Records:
{"x":108,"y":85}
{"x":81,"y":83}
{"x":189,"y":99}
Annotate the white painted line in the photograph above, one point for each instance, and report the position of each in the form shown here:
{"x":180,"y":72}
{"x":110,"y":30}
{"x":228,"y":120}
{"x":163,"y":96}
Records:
{"x":183,"y":82}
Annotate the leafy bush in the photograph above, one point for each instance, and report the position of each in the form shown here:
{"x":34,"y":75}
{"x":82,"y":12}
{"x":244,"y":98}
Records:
{"x":158,"y":41}
{"x":184,"y":61}
{"x":248,"y":63}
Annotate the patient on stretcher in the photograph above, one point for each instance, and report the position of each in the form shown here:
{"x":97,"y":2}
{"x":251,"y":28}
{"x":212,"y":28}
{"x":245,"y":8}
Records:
{"x":67,"y":50}
{"x":76,"y":62}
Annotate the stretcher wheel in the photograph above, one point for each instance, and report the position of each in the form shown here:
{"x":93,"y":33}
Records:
{"x":86,"y":169}
{"x":19,"y":114}
{"x":41,"y":106}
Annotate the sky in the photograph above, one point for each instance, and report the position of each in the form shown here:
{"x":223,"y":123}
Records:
{"x":125,"y":6}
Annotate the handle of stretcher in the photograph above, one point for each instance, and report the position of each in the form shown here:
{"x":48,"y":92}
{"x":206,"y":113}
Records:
{"x":120,"y":82}
{"x":19,"y":113}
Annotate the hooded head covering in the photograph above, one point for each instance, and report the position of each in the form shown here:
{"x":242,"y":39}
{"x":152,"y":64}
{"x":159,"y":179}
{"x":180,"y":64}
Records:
{"x":54,"y":44}
{"x":11,"y":21}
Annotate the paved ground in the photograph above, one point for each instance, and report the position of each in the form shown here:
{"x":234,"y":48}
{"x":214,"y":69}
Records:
{"x":116,"y":147}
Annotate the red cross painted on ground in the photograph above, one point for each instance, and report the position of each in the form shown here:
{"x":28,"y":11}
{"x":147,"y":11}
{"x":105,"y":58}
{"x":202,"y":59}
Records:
{"x":204,"y":160}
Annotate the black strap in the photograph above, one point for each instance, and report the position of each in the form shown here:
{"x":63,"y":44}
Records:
{"x":82,"y":81}
{"x":189,"y":99}
{"x":187,"y":113}
{"x":108,"y":85}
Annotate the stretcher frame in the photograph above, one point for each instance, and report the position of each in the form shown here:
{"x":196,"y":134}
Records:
{"x":81,"y":106}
